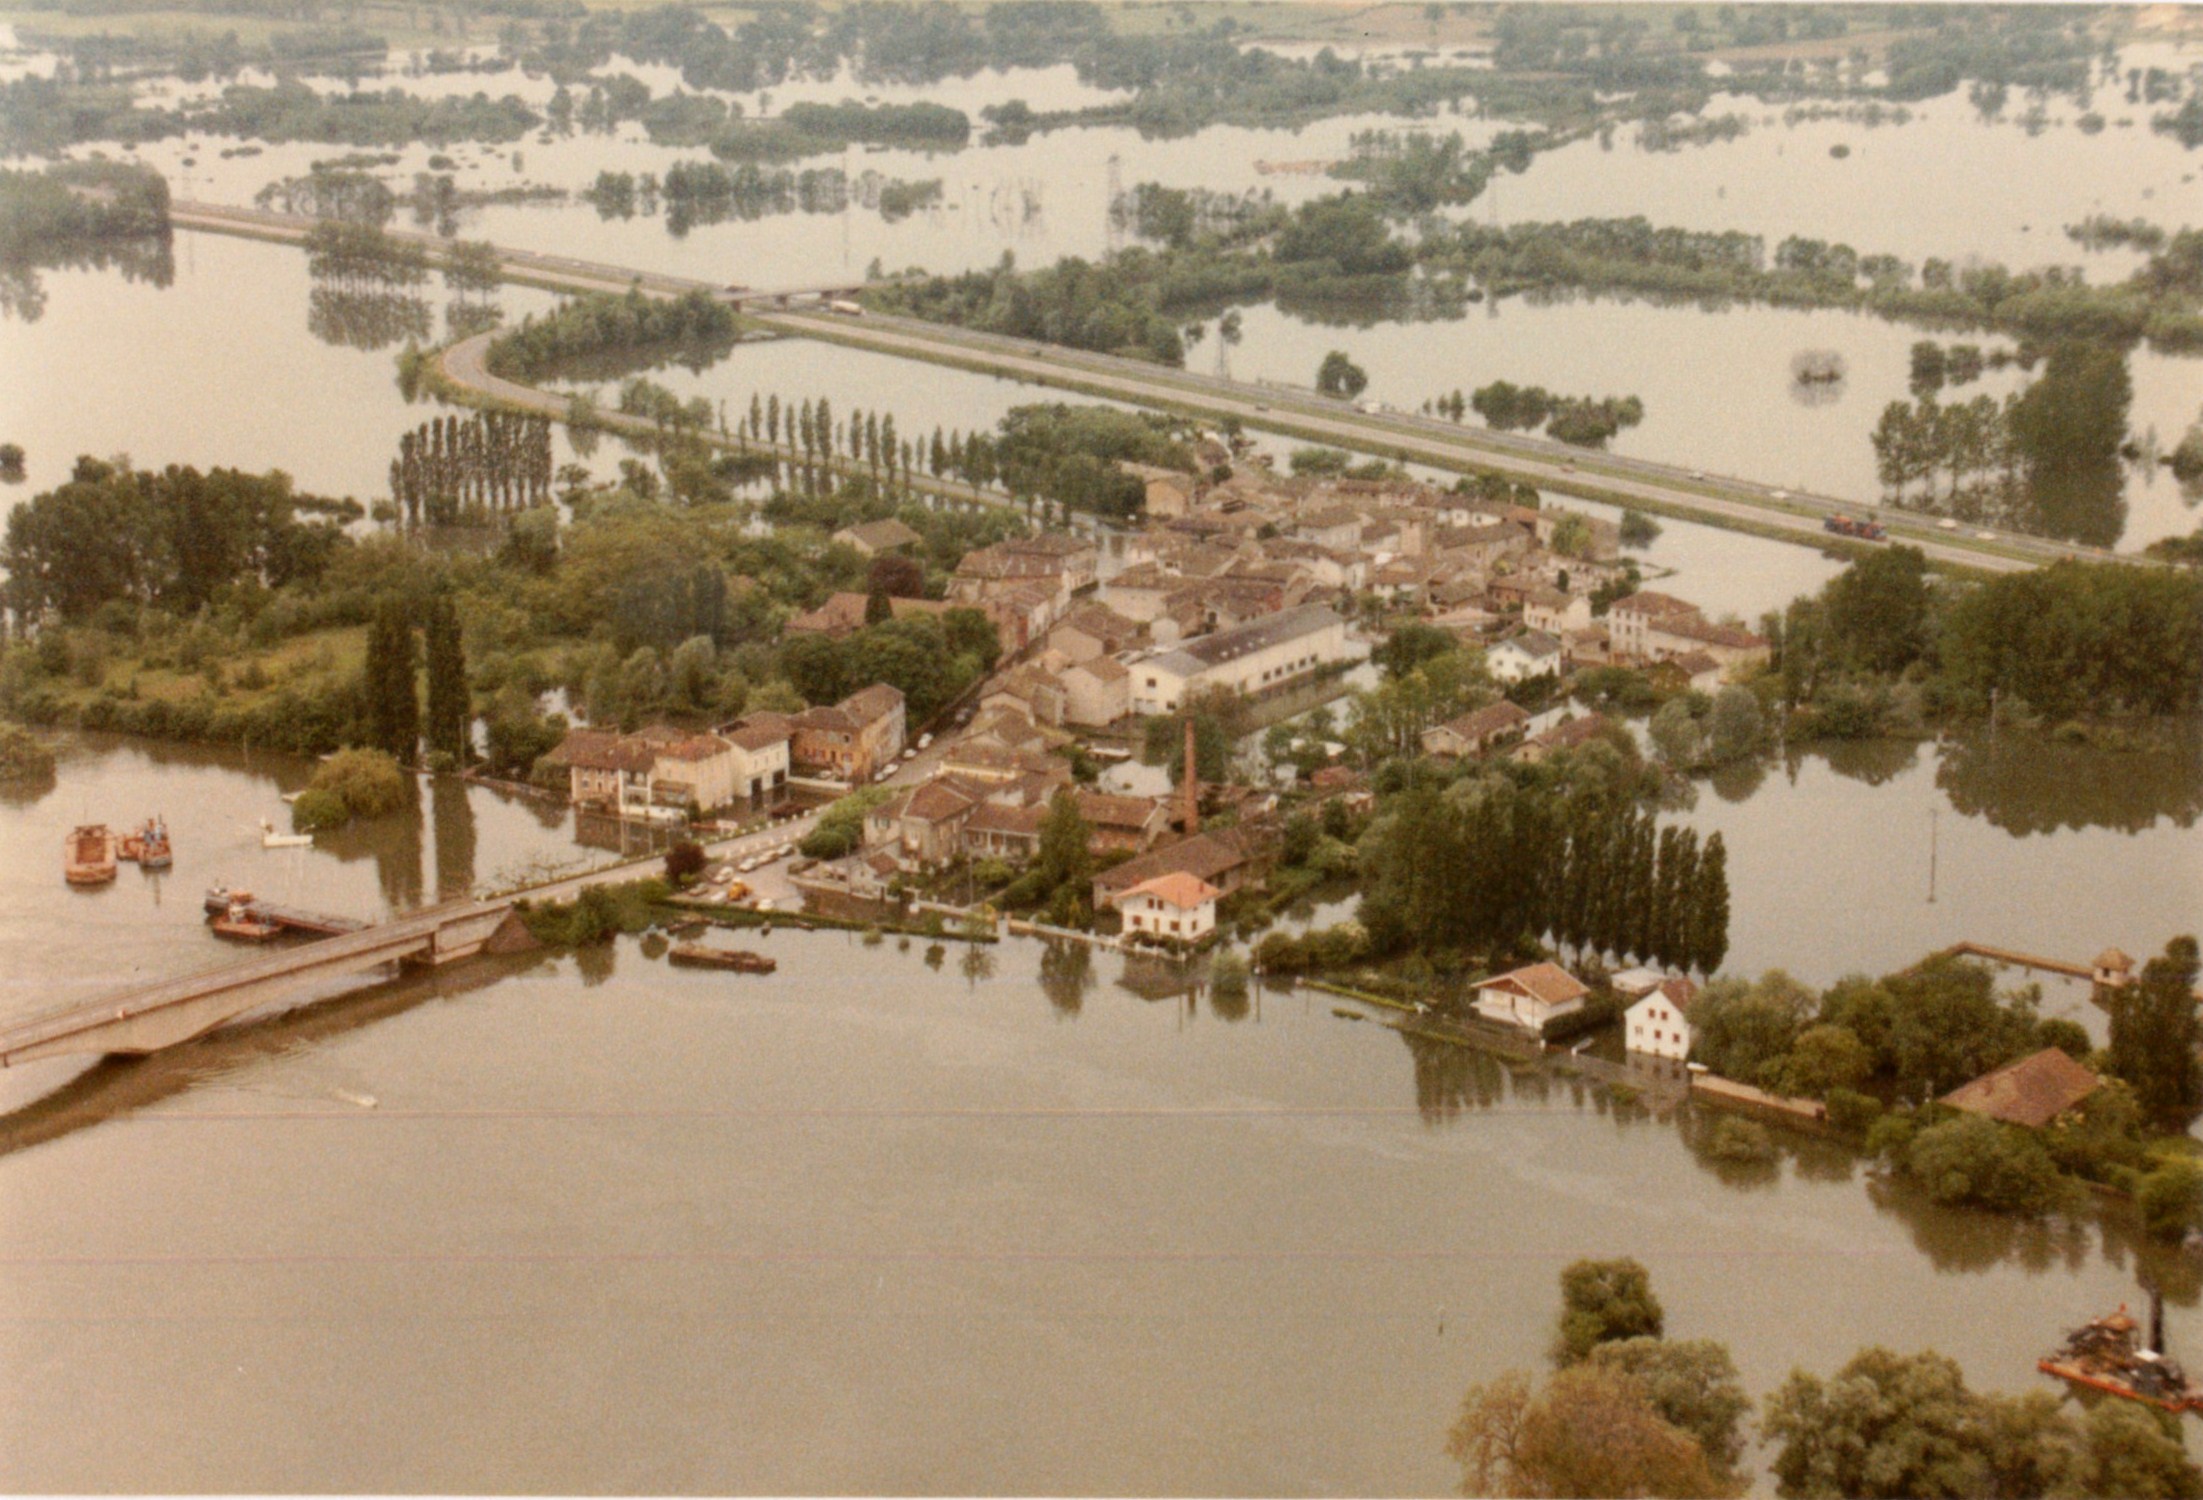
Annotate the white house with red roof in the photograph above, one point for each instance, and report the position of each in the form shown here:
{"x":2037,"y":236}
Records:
{"x":1177,"y":906}
{"x":1531,"y":997}
{"x":1659,"y":1023}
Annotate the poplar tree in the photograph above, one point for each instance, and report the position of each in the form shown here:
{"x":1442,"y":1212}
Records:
{"x":449,"y":709}
{"x":1709,"y":917}
{"x":393,"y":710}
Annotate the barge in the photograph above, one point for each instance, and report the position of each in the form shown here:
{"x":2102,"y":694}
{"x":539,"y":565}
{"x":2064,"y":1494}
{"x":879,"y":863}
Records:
{"x":88,"y":855}
{"x":2109,"y":1354}
{"x":149,"y":846}
{"x":704,"y":956}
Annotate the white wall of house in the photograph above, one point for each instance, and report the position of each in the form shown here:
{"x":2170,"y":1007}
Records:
{"x":1510,"y":663}
{"x":1657,"y":1028}
{"x":1510,"y":1009}
{"x":1151,"y":915}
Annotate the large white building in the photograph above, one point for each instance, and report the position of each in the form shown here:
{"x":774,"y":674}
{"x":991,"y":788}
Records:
{"x":1253,"y":658}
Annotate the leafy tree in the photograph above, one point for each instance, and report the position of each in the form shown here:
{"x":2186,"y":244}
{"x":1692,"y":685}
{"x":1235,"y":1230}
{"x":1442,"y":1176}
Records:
{"x":351,"y":784}
{"x":2155,"y":1030}
{"x":1876,"y":610}
{"x":1340,"y":376}
{"x":2131,"y":1454}
{"x":1693,"y":1385}
{"x":2171,"y":1198}
{"x":1824,"y":1060}
{"x":1603,"y":1301}
{"x":1948,"y":1027}
{"x":1736,"y":727}
{"x":1592,"y":1431}
{"x":1745,"y":1030}
{"x":897,"y":576}
{"x":1065,"y":862}
{"x":1886,"y":1427}
{"x":878,"y":608}
{"x":1977,"y":1160}
{"x":685,"y":860}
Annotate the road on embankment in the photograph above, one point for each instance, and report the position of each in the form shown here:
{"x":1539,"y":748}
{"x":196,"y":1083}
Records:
{"x":1664,"y":489}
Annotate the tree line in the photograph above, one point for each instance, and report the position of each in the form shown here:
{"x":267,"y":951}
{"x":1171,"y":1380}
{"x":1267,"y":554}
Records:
{"x":452,"y":468}
{"x":1497,"y":861}
{"x":1627,"y":1410}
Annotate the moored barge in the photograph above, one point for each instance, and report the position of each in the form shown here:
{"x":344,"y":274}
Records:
{"x":88,"y":855}
{"x":704,"y":956}
{"x":2109,"y":1354}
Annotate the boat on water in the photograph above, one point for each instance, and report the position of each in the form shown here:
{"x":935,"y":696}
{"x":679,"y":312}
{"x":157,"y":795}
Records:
{"x":2110,"y":1354}
{"x":88,"y":855}
{"x":238,"y":921}
{"x":149,"y":845}
{"x":221,"y":897}
{"x":704,"y":956}
{"x":270,"y":839}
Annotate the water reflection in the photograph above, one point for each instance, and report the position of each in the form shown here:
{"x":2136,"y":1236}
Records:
{"x":23,"y":292}
{"x":1066,"y":974}
{"x":117,"y":1086}
{"x":2028,"y":783}
{"x":1875,"y":762}
{"x":366,"y":320}
{"x":1452,"y":1080}
{"x":455,"y":838}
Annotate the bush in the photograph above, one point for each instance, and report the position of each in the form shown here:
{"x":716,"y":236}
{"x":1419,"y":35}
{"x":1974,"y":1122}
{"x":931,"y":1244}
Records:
{"x":1852,"y":1112}
{"x":684,"y":861}
{"x":353,"y":784}
{"x":2171,"y":1198}
{"x":315,"y":810}
{"x":1281,"y":953}
{"x":1228,"y":973}
{"x":1976,"y":1160}
{"x":1736,"y":1139}
{"x":22,"y":757}
{"x":1890,"y":1136}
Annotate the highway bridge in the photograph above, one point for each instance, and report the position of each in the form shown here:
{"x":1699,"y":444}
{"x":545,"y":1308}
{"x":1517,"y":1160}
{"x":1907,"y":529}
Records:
{"x":1791,"y":514}
{"x":148,"y":1017}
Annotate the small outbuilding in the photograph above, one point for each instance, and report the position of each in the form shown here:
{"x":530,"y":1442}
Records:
{"x":1531,"y":997}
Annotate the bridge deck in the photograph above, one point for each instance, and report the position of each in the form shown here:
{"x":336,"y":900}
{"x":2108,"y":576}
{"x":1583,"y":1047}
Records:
{"x":50,"y":1026}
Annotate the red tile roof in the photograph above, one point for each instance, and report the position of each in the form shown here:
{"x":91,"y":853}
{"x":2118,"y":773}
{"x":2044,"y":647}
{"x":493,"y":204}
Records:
{"x":2033,"y":1091}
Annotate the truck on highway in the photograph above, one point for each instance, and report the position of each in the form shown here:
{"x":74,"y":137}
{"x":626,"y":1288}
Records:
{"x":1865,"y":531}
{"x":845,"y":307}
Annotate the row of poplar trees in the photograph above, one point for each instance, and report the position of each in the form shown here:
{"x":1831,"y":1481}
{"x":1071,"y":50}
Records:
{"x":395,"y":722}
{"x":1484,"y":865}
{"x":450,"y":468}
{"x":868,"y":439}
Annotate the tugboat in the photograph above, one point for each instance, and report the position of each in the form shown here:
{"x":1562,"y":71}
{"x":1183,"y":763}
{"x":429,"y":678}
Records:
{"x":704,"y":956}
{"x":2108,"y":1354}
{"x":149,"y":846}
{"x":220,"y":898}
{"x":88,"y":855}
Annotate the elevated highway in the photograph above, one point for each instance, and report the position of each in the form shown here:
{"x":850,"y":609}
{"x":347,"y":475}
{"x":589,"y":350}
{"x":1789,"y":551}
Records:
{"x":1762,"y":507}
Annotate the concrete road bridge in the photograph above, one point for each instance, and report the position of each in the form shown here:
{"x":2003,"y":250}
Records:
{"x":149,"y":1017}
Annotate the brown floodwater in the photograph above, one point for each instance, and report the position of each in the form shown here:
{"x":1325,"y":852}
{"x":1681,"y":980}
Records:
{"x":974,"y":1220}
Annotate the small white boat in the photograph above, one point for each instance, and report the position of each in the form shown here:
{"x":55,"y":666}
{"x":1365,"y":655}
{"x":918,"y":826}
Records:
{"x":270,"y":839}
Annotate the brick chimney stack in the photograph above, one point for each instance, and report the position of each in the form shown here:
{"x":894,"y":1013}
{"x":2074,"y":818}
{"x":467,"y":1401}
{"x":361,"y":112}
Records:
{"x":1192,"y":783}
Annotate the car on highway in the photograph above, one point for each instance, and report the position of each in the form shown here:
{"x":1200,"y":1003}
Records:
{"x":1946,"y":524}
{"x":1984,"y":536}
{"x":1779,"y":494}
{"x":1698,"y":473}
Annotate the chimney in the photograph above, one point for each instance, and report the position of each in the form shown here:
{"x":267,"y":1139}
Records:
{"x":1192,"y":783}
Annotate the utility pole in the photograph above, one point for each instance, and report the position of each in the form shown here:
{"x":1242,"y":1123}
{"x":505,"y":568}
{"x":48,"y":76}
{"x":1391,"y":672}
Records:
{"x":1934,"y":813}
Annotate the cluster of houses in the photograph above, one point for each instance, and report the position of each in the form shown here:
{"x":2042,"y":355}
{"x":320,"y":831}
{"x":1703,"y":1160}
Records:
{"x":741,"y":767}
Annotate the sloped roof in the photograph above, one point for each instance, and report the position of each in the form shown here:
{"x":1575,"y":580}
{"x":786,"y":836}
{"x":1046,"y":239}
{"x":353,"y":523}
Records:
{"x":1106,"y":811}
{"x":1492,"y":718}
{"x":602,"y":750}
{"x":1533,"y":643}
{"x":1186,"y":892}
{"x":881,"y":535}
{"x":874,"y":702}
{"x":2032,"y":1092}
{"x":1205,"y":855}
{"x":1646,"y":602}
{"x":1547,"y":983}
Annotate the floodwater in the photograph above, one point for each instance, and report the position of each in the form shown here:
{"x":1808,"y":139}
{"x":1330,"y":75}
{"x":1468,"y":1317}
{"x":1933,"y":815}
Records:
{"x":1716,"y":386}
{"x":973,"y":1220}
{"x":876,"y":1225}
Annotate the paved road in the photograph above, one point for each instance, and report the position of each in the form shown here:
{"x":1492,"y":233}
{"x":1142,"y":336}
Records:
{"x":1794,"y":514}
